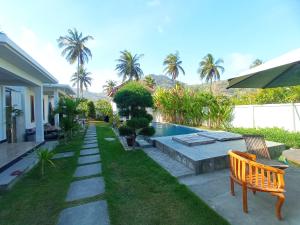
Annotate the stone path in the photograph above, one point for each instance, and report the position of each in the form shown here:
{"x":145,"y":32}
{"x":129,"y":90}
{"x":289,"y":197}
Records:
{"x":63,"y":155}
{"x":91,"y":213}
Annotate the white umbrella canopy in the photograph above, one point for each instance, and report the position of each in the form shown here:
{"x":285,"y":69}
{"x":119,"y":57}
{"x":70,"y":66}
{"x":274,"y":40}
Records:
{"x":282,"y":71}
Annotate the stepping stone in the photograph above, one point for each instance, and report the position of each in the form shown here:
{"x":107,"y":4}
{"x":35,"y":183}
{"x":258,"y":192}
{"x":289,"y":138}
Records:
{"x":63,"y":155}
{"x":93,"y":213}
{"x":90,"y":142}
{"x":95,"y":145}
{"x":88,"y":159}
{"x":88,"y":170}
{"x":85,"y":188}
{"x":90,"y":151}
{"x":110,"y":139}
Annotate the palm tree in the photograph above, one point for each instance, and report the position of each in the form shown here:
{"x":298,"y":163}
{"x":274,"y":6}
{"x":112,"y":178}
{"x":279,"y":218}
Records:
{"x":128,"y":66}
{"x":149,"y":81}
{"x":109,"y":86}
{"x":209,"y":69}
{"x":173,"y":66}
{"x":74,"y":49}
{"x":83,"y":79}
{"x":256,"y":62}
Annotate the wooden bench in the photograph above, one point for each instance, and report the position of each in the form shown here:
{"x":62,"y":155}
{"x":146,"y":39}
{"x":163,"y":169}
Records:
{"x":245,"y":171}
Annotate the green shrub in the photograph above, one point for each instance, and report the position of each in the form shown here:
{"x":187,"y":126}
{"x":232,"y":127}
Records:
{"x":104,"y":108}
{"x":45,"y":157}
{"x":147,"y":131}
{"x":125,"y":131}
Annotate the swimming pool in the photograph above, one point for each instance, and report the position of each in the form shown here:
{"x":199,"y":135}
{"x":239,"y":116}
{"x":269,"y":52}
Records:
{"x":169,"y":129}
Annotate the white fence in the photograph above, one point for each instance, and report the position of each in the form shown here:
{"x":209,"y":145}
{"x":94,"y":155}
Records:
{"x":286,"y":116}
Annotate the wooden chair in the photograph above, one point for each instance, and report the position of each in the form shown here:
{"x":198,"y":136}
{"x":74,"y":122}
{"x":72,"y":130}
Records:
{"x":245,"y":171}
{"x":256,"y":145}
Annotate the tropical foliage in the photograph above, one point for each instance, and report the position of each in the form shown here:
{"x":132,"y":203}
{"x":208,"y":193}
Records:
{"x":109,"y":86}
{"x":91,"y":110}
{"x":68,"y":111}
{"x":210,"y":69}
{"x":83,"y":78}
{"x":132,"y":100}
{"x":269,"y":96}
{"x":129,"y":67}
{"x":103,"y":108}
{"x":149,"y":81}
{"x":173,"y":65}
{"x":191,"y":107}
{"x":75,"y":49}
{"x":45,"y":157}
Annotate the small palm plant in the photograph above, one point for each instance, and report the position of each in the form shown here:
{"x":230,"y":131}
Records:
{"x":45,"y":157}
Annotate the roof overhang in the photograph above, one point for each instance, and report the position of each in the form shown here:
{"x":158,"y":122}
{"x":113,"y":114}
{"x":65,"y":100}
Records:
{"x":17,"y":62}
{"x":64,"y":88}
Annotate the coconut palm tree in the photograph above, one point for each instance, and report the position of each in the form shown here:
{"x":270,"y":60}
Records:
{"x":83,"y":79}
{"x":129,"y":67}
{"x":173,"y":66}
{"x":75,"y":50}
{"x":256,"y":62}
{"x":149,"y":81}
{"x":109,"y":86}
{"x":210,"y":70}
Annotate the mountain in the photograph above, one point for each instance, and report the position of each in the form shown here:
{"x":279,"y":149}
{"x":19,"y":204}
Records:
{"x":93,"y":96}
{"x":164,"y":81}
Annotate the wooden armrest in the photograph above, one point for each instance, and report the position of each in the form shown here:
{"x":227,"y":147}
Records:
{"x":246,"y":155}
{"x":282,"y":167}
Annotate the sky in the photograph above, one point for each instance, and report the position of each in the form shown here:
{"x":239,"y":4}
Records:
{"x":236,"y":31}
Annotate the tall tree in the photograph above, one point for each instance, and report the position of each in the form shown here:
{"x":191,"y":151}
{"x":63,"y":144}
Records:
{"x":256,"y":62}
{"x":173,"y":66}
{"x":109,"y":86}
{"x":75,"y":50}
{"x":210,"y":69}
{"x":129,"y":67}
{"x":149,"y":81}
{"x":83,"y":79}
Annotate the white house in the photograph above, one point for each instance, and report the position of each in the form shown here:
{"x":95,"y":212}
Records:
{"x":26,"y":87}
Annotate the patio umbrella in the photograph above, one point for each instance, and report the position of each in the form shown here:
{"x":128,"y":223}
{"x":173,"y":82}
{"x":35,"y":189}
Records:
{"x":279,"y":72}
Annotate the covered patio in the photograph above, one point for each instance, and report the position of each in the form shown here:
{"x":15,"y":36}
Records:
{"x":21,"y":87}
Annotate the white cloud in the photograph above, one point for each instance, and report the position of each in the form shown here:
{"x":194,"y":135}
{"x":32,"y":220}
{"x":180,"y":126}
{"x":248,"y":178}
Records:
{"x":46,"y":54}
{"x":236,"y":62}
{"x":160,"y":29}
{"x":153,"y":2}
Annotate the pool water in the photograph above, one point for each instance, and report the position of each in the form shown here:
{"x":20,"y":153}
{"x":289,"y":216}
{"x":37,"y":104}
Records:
{"x":168,"y":129}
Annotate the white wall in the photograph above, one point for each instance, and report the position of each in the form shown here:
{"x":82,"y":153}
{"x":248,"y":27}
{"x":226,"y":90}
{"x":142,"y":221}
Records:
{"x":286,"y":116}
{"x":2,"y":114}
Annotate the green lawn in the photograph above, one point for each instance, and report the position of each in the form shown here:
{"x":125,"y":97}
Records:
{"x":290,"y":139}
{"x":37,"y":200}
{"x":140,"y":192}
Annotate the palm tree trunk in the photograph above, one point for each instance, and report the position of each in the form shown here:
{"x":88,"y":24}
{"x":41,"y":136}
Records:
{"x":210,"y":87}
{"x":77,"y":93}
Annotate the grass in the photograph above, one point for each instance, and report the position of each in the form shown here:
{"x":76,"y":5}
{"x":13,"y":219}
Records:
{"x":290,"y":139}
{"x":140,"y":192}
{"x":37,"y":200}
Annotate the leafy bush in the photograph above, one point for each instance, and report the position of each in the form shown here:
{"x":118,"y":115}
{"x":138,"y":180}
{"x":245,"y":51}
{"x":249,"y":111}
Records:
{"x":147,"y":131}
{"x":132,"y":100}
{"x":104,"y":108}
{"x":290,"y":139}
{"x":91,"y":110}
{"x":125,"y":131}
{"x":191,"y":107}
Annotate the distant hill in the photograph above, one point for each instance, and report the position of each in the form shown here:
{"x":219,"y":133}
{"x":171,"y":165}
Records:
{"x":93,"y":96}
{"x":163,"y":81}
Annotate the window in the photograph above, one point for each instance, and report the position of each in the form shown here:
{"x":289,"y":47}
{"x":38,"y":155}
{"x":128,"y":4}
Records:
{"x":32,"y":107}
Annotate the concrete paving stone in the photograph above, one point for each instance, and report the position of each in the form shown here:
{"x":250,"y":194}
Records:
{"x":110,"y":139}
{"x":88,"y":170}
{"x":88,"y":159}
{"x":63,"y":155}
{"x":90,"y":151}
{"x":93,"y":213}
{"x":85,"y":188}
{"x":95,"y":145}
{"x":87,"y":142}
